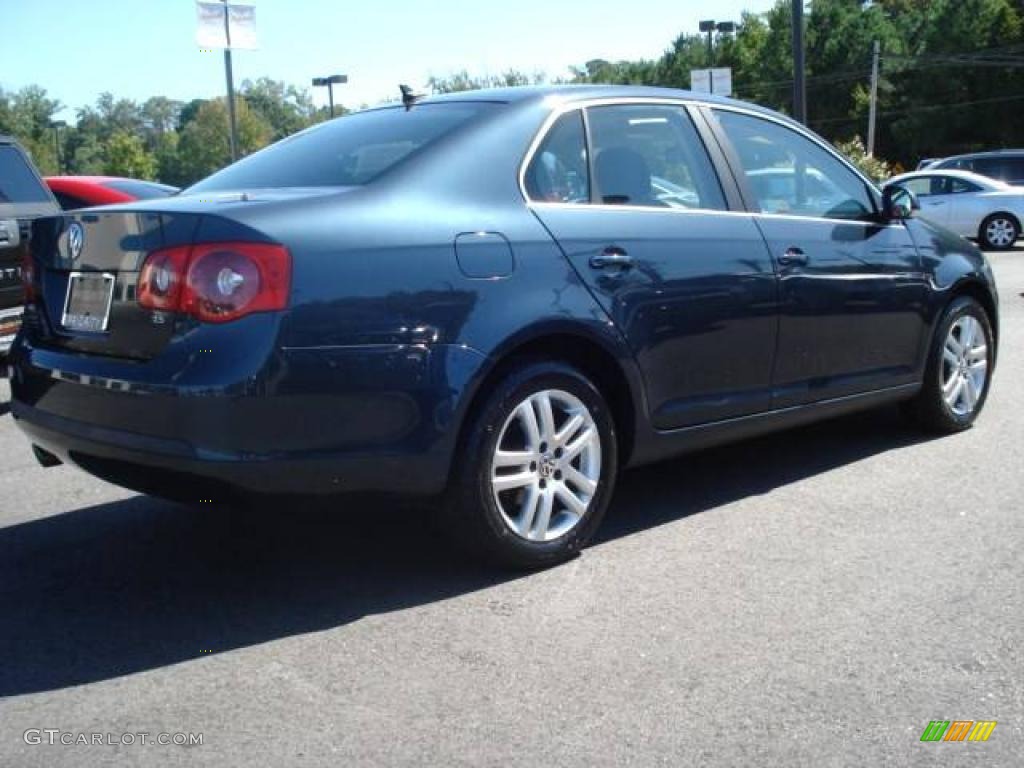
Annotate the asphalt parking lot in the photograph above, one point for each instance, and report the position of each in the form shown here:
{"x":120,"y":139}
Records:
{"x":812,"y":598}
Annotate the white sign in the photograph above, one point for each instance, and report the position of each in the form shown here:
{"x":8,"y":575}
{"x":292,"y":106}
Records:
{"x":717,"y":81}
{"x":211,"y":32}
{"x":700,"y":80}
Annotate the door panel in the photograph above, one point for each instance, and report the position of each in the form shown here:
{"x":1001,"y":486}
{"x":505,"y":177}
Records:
{"x":689,"y":285}
{"x":852,"y":293}
{"x":936,"y":208}
{"x":852,"y":317}
{"x":697,"y":306}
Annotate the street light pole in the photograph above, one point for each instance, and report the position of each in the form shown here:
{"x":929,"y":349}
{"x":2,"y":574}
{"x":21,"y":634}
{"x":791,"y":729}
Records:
{"x":330,"y":82}
{"x":709,"y":27}
{"x":873,"y":106}
{"x":233,"y":139}
{"x":799,"y":74}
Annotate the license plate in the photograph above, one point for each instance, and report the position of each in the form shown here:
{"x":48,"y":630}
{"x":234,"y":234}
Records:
{"x":87,"y":306}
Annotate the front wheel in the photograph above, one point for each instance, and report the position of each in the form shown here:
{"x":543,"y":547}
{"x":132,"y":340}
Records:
{"x":537,"y":470}
{"x":957,"y":377}
{"x":999,"y":232}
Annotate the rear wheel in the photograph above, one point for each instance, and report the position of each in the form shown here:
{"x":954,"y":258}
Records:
{"x":999,"y":232}
{"x":957,"y":377}
{"x":537,"y":470}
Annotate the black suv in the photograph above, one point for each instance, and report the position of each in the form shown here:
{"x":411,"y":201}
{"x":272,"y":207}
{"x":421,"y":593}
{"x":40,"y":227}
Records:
{"x":23,"y":197}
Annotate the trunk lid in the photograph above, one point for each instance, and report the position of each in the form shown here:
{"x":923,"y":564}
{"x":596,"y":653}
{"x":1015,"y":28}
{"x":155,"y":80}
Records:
{"x":102,"y":251}
{"x":115,"y":241}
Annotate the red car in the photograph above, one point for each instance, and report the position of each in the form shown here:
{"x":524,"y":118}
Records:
{"x":83,"y":191}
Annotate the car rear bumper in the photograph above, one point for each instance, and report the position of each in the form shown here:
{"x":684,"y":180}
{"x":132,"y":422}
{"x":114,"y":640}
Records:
{"x":375,"y":419}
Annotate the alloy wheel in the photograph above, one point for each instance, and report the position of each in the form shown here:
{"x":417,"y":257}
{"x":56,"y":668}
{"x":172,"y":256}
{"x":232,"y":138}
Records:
{"x":546,"y":465}
{"x":964,"y":365}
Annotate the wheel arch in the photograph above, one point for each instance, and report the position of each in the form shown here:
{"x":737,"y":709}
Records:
{"x":608,"y":364}
{"x":977,"y":290}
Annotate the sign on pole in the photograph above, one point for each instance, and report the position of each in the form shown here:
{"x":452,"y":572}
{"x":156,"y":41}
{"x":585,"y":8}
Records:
{"x":700,"y":80}
{"x":717,"y":81}
{"x":212,"y":31}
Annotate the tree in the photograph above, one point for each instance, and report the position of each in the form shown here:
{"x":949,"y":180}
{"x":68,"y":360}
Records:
{"x":285,"y":108}
{"x":126,"y":155}
{"x":463,"y":81}
{"x":28,"y":115}
{"x":204,"y":144}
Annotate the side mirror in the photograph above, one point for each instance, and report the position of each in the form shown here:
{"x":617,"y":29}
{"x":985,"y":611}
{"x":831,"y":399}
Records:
{"x":898,"y":203}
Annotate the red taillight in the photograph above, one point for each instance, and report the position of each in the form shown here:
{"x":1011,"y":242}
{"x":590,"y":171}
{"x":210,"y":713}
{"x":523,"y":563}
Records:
{"x":162,"y":277}
{"x":28,"y":277}
{"x":217,"y":282}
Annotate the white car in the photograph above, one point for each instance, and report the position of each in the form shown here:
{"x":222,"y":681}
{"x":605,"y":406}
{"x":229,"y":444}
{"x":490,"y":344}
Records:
{"x":969,"y":204}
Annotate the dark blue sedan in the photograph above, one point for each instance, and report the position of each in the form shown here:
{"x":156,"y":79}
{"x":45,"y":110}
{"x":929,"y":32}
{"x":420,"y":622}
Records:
{"x":496,"y":300}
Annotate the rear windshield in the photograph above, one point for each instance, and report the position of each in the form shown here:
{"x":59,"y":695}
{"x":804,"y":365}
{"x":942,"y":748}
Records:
{"x":17,"y":182}
{"x":141,"y":190}
{"x":350,"y":151}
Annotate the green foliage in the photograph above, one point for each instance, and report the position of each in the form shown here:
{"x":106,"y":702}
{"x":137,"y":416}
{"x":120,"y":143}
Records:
{"x":463,"y":81}
{"x":929,"y":104}
{"x":873,"y":167}
{"x":171,"y":141}
{"x":126,"y":155}
{"x":204,"y":144}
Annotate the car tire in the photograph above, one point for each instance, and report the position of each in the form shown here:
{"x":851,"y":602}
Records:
{"x":999,"y":232}
{"x":958,"y":373}
{"x":509,"y":501}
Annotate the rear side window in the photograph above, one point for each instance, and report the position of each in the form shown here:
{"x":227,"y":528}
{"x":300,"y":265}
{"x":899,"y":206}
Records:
{"x":997,"y":168}
{"x":958,"y":186}
{"x":350,"y":151}
{"x":790,"y":174}
{"x":558,"y":172}
{"x":18,"y":184}
{"x":651,"y":155}
{"x":1003,"y":168}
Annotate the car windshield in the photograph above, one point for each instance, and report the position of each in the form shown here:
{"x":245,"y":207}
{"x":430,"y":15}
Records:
{"x":350,"y":151}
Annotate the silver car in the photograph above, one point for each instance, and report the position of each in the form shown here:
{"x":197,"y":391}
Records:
{"x":971,"y":205}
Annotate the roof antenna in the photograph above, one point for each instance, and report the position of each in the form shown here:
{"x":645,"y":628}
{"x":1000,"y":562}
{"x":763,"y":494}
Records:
{"x":409,"y":97}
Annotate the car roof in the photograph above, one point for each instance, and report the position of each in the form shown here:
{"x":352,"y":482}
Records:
{"x":587,"y":92}
{"x":976,"y":178}
{"x":987,"y":153}
{"x":83,"y":179}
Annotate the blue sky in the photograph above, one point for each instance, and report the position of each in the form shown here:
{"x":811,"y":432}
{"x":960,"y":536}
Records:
{"x":138,"y":48}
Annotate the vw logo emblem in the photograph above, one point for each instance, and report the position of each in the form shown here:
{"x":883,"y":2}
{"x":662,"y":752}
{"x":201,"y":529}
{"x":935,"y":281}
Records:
{"x":76,"y":239}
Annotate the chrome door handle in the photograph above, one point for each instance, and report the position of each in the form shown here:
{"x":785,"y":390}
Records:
{"x":612,"y":256}
{"x":793,"y":257}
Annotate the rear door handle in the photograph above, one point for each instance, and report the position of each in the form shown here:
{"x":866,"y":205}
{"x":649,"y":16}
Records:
{"x":612,"y":256}
{"x":793,"y":257}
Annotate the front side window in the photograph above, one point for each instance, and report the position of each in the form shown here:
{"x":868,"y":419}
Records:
{"x":651,"y":155}
{"x":350,"y":151}
{"x":790,"y":174}
{"x":920,"y":186}
{"x":558,"y":172}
